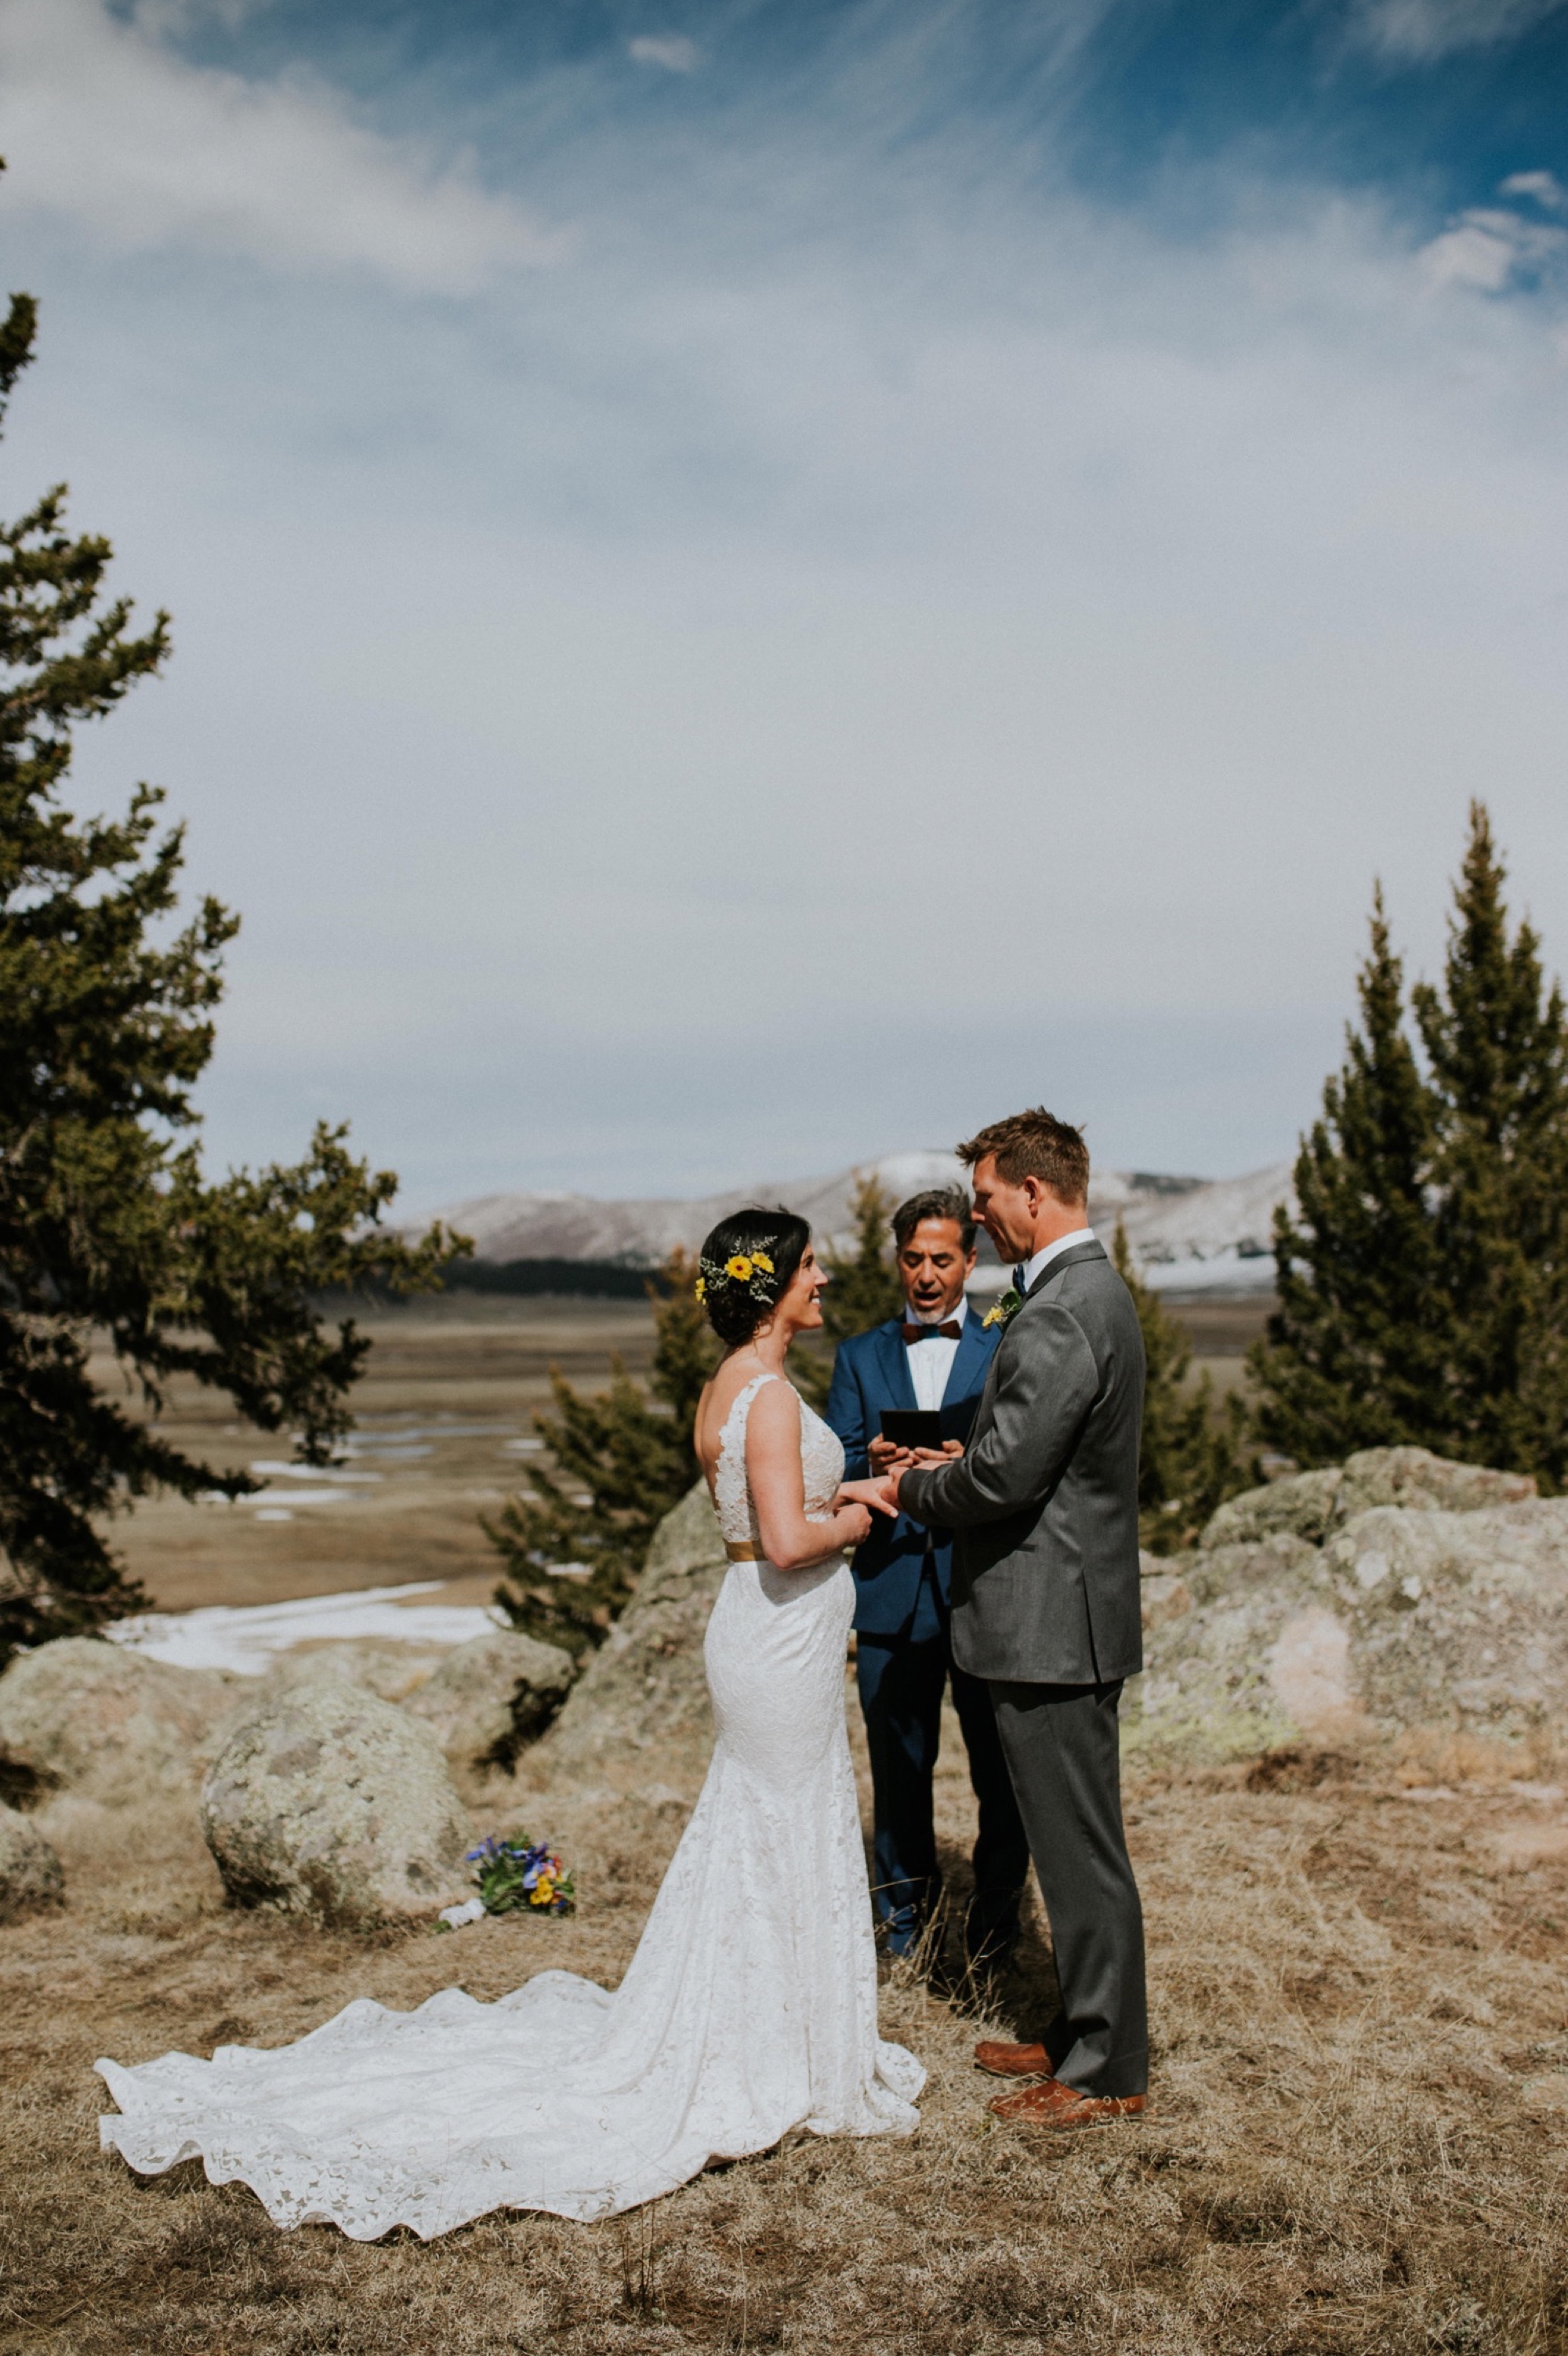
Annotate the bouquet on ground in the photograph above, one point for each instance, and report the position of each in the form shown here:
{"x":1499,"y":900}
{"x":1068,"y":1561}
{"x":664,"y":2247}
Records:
{"x":514,"y":1877}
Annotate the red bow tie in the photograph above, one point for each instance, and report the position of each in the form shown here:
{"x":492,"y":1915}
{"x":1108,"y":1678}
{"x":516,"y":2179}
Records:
{"x":951,"y":1332}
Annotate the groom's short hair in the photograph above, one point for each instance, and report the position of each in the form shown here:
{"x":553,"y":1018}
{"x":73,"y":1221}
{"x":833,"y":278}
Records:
{"x":1034,"y":1144}
{"x":938,"y":1202}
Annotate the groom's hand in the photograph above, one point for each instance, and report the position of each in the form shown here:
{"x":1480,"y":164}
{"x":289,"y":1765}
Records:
{"x":942,"y":1455}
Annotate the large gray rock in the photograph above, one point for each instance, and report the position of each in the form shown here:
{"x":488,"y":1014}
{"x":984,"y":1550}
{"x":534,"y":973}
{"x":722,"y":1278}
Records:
{"x":336,"y":1805}
{"x":84,"y":1716}
{"x":1300,"y":1507}
{"x":1409,"y":1616}
{"x":1456,"y":1618}
{"x":644,"y":1685}
{"x":379,"y":1663}
{"x":490,"y":1696}
{"x":29,"y":1870}
{"x":1312,"y":1504}
{"x":1207,"y":1687}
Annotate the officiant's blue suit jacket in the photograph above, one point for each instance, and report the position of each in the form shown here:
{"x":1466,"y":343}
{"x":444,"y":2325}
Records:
{"x":872,"y":1372}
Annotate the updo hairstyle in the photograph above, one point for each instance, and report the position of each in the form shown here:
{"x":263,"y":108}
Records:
{"x":747,"y":1264}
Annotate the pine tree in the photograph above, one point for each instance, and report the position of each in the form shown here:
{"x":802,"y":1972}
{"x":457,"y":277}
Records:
{"x":863,"y":1290}
{"x":1353,"y":1356}
{"x":572,"y":1547}
{"x":107,"y":1228}
{"x":1194,"y":1451}
{"x":1423,"y":1282}
{"x":1497,"y":1044}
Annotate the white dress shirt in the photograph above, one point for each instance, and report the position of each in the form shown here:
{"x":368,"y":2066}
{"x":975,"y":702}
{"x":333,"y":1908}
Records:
{"x":1052,"y":1251}
{"x":930,"y":1363}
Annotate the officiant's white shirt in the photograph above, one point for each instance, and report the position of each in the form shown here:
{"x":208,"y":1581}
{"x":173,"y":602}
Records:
{"x":1052,"y":1251}
{"x":930,"y":1363}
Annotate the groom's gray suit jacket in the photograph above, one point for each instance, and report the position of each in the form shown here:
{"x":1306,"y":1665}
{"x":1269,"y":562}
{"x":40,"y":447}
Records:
{"x":1044,"y":1500}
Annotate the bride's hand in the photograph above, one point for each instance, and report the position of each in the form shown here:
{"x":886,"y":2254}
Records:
{"x":870,"y":1493}
{"x":855,"y":1522}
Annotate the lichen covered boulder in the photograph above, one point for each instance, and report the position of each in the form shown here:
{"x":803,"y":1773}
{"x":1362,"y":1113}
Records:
{"x":84,"y":1716}
{"x":337,"y":1806}
{"x":1409,"y":1616}
{"x":1300,"y":1507}
{"x":382,"y":1665}
{"x":489,"y":1697}
{"x":31,"y":1872}
{"x":1311,"y":1505}
{"x":1211,"y":1686}
{"x":1456,"y":1618}
{"x":645,"y":1686}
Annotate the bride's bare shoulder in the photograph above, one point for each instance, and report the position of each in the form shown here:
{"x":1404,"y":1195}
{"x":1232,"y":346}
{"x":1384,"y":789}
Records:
{"x":718,"y":1394}
{"x":775,"y":1400}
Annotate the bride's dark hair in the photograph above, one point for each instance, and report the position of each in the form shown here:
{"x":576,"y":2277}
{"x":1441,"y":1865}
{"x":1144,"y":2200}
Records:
{"x":747,"y":1264}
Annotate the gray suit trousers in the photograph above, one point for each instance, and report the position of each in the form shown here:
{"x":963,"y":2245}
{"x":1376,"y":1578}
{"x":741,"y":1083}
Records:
{"x":1060,"y":1744}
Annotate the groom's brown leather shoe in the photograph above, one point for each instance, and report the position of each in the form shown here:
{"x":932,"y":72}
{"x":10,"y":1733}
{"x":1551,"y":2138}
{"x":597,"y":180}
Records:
{"x":1052,"y":2105}
{"x":1013,"y":2061}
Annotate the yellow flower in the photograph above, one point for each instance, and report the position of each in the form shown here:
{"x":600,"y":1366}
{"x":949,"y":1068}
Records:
{"x":761,"y":1261}
{"x":993,"y":1316}
{"x":701,"y":1288}
{"x":740,"y":1268}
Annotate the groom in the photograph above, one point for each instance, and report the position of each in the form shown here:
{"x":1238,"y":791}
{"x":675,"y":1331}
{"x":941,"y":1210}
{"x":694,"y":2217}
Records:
{"x":1046,"y":1609}
{"x":934,"y":1355}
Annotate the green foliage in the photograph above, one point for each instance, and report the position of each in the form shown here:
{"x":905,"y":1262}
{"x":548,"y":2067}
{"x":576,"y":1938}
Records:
{"x":1424,"y":1285}
{"x":1196,"y":1449}
{"x":865,"y":1289}
{"x":617,"y":1463}
{"x":107,"y":1229}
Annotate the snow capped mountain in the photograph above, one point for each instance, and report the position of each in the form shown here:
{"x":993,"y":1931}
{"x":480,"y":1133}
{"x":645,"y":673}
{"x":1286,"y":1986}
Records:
{"x":1188,"y":1234}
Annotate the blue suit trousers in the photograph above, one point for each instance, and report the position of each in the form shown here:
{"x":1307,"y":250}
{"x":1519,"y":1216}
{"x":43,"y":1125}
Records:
{"x":901,"y":1681}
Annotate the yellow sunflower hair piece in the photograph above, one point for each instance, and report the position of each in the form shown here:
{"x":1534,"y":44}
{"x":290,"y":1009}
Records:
{"x":754,"y":1270}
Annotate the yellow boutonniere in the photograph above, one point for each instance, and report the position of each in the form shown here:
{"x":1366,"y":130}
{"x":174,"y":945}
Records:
{"x":1005,"y":1309}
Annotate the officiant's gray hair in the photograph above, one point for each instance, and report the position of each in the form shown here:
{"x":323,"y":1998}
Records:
{"x":936,"y":1203}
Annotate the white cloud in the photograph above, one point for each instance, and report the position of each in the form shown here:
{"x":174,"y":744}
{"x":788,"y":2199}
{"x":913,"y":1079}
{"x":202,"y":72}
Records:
{"x":582,"y":703}
{"x":1488,"y":249}
{"x":1545,"y":187}
{"x":1419,"y":32}
{"x":674,"y":51}
{"x":103,"y":124}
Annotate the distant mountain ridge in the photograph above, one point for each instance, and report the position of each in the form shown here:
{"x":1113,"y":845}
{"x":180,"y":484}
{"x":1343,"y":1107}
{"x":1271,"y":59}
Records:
{"x":1188,"y":1234}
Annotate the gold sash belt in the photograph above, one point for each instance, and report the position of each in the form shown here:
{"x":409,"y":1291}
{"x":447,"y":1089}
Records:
{"x":744,"y":1553}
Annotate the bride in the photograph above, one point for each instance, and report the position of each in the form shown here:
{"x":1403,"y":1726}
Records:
{"x":750,"y":2005}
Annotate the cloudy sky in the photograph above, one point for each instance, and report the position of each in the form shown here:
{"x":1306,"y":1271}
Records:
{"x":756,"y":581}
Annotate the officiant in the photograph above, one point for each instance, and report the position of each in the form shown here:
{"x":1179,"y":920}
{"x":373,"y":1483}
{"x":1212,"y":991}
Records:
{"x":933,"y":1356}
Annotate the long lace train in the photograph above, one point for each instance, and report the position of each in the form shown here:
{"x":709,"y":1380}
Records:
{"x":748,"y":2008}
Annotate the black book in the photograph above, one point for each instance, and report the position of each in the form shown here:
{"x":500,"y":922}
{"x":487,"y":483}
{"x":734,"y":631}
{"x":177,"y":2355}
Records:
{"x":912,"y":1427}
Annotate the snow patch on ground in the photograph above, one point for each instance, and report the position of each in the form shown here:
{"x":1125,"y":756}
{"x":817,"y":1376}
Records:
{"x":247,"y":1638}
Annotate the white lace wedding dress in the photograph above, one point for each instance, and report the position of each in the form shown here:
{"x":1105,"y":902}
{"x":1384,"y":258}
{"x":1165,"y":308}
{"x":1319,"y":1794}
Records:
{"x":748,"y":2008}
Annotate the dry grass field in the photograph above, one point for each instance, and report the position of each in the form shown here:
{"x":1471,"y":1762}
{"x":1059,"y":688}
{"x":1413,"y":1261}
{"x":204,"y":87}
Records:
{"x":449,"y":1393}
{"x":1361,"y":2091}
